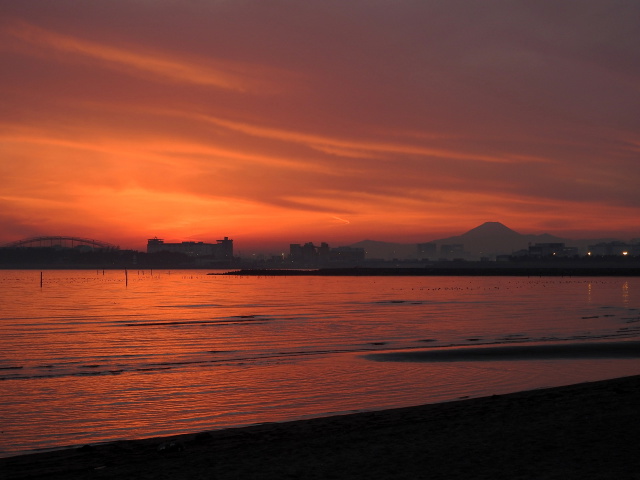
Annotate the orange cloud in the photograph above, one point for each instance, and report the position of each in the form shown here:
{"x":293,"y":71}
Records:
{"x":277,"y":123}
{"x":350,"y":147}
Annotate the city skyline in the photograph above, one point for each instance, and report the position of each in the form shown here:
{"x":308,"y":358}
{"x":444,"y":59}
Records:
{"x":492,"y":238}
{"x":290,"y":122}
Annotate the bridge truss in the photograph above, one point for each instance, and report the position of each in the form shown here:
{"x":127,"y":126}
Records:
{"x":59,"y":242}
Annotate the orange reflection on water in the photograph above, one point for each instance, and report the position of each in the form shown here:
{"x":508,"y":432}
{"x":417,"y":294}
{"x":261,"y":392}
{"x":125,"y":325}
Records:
{"x":89,"y":358}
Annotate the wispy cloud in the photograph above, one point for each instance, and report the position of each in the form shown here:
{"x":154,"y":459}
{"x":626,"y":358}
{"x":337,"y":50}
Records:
{"x":161,"y":66}
{"x":354,"y":148}
{"x":263,"y":118}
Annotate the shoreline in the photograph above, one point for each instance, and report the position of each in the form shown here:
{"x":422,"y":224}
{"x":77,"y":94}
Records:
{"x":586,"y":430}
{"x":444,"y":271}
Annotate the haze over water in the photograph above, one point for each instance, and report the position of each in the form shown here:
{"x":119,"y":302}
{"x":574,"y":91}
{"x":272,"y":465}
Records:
{"x":87,"y":358}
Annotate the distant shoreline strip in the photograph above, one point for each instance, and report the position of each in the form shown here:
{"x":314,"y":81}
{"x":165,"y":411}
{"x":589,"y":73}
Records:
{"x":630,"y":349}
{"x":443,"y":271}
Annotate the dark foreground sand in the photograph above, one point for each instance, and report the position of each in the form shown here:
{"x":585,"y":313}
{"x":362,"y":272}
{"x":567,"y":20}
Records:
{"x":585,"y":431}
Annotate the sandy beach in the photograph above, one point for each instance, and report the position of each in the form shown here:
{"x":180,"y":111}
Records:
{"x":587,"y":430}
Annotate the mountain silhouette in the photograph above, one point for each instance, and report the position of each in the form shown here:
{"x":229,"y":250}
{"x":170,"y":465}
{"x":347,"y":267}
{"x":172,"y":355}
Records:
{"x":486,"y":240}
{"x":491,"y":229}
{"x":494,"y":238}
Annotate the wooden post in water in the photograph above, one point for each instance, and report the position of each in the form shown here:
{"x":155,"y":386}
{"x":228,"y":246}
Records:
{"x":40,"y":279}
{"x":126,"y":278}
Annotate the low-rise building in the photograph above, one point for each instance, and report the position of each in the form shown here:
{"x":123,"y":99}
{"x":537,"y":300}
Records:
{"x":221,"y":250}
{"x":606,"y":249}
{"x":312,"y":255}
{"x":427,"y":250}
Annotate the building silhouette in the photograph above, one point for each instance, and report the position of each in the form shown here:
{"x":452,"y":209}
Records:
{"x":312,"y":255}
{"x":615,"y":248}
{"x":427,"y":250}
{"x":453,"y":250}
{"x":221,"y":250}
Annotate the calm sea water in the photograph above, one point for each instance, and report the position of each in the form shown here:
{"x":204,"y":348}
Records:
{"x":89,"y":358}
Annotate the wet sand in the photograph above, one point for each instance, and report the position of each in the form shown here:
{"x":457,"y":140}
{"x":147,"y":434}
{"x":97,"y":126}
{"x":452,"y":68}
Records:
{"x":589,"y":430}
{"x":592,"y":350}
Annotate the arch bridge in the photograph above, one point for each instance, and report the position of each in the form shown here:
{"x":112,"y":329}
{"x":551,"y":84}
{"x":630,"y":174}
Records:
{"x":60,"y":242}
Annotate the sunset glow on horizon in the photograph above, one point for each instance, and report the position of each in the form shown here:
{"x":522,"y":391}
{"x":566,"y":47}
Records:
{"x":287,"y":122}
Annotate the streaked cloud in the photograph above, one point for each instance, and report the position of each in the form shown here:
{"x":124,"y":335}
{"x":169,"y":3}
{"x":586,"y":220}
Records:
{"x":154,"y":65}
{"x":321,"y":120}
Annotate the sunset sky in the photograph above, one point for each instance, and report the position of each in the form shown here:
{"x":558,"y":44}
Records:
{"x":288,"y":121}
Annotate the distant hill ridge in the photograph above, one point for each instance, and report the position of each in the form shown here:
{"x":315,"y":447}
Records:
{"x":486,"y":240}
